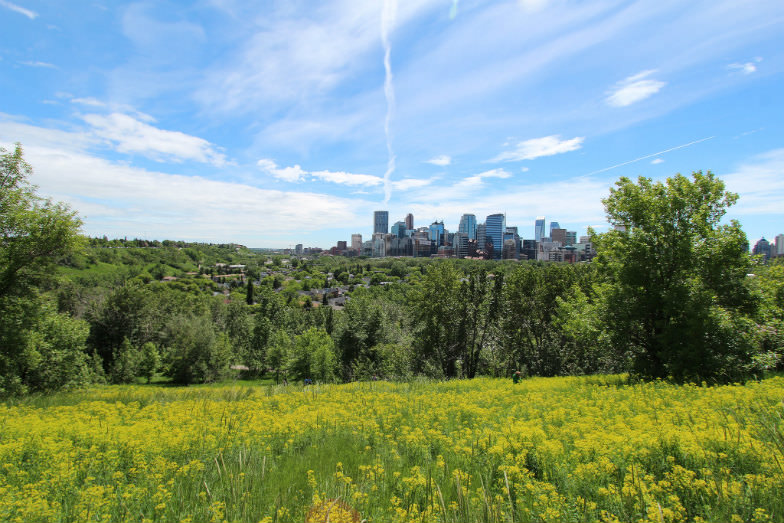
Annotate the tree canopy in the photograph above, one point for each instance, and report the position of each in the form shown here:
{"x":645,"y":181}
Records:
{"x":674,"y":293}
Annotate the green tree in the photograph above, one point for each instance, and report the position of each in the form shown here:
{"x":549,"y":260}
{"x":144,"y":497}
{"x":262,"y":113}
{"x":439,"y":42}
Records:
{"x":674,"y":293}
{"x":34,"y":234}
{"x":313,"y":356}
{"x":249,"y":293}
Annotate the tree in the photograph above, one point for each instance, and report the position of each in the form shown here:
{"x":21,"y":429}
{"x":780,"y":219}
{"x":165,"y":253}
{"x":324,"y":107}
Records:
{"x":35,"y":231}
{"x":674,"y":295}
{"x":34,"y":234}
{"x":249,"y":293}
{"x":313,"y":356}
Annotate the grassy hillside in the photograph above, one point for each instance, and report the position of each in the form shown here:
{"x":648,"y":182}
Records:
{"x":554,"y":449}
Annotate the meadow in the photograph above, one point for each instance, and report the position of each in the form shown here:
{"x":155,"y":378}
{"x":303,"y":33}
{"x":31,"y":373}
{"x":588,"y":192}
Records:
{"x":547,"y":449}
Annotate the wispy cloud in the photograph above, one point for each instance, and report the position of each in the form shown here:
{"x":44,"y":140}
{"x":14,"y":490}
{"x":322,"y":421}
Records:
{"x":32,"y":15}
{"x":656,"y":161}
{"x":539,"y":147}
{"x":31,"y":63}
{"x":745,"y":67}
{"x":126,"y":134}
{"x":759,"y":184}
{"x":442,"y":160}
{"x":478,"y":179}
{"x":389,"y":11}
{"x":410,"y":183}
{"x":651,"y":155}
{"x":633,"y":89}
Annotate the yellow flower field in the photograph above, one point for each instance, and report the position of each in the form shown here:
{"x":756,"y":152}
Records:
{"x":555,"y":449}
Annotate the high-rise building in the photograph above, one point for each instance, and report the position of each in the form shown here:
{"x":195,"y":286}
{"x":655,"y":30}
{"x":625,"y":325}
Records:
{"x":356,"y":242}
{"x":762,"y":247}
{"x":779,"y":245}
{"x":399,"y":229}
{"x":510,"y":250}
{"x":495,"y":225}
{"x":342,"y":245}
{"x":481,"y":237}
{"x":468,"y":226}
{"x":571,"y":237}
{"x":539,"y":229}
{"x":381,"y":222}
{"x":410,"y":222}
{"x":460,"y":244}
{"x":437,"y":233}
{"x":558,"y":235}
{"x":554,"y":225}
{"x":298,"y":249}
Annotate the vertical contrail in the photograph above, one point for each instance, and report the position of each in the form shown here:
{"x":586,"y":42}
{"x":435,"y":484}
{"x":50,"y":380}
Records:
{"x":387,"y":23}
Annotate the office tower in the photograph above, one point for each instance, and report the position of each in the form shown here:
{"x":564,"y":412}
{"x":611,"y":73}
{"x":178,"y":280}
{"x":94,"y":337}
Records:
{"x":539,"y":229}
{"x":495,"y":226}
{"x":481,"y":237}
{"x":571,"y":237}
{"x":468,"y":226}
{"x":437,"y":233}
{"x":460,"y":244}
{"x":399,"y":229}
{"x":356,"y":242}
{"x":553,"y":225}
{"x":381,"y":222}
{"x":510,"y":251}
{"x":410,"y":222}
{"x":779,"y":245}
{"x":558,"y":235}
{"x":762,"y":247}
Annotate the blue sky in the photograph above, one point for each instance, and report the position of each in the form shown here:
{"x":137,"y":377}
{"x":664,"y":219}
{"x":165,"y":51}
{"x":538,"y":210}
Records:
{"x":275,"y":123}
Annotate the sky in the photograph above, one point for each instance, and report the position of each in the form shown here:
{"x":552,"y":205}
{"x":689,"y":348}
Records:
{"x":281,"y":122}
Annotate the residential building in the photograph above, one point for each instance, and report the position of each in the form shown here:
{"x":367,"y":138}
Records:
{"x":460,"y":244}
{"x":558,"y":235}
{"x":779,"y":250}
{"x":481,"y":239}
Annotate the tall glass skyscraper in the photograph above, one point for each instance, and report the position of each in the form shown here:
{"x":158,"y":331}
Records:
{"x":539,"y":229}
{"x":468,"y":226}
{"x":437,"y":233}
{"x":554,"y":225}
{"x":495,"y":227}
{"x":381,"y":222}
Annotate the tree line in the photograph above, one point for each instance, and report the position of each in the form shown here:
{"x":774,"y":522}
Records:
{"x":672,"y":294}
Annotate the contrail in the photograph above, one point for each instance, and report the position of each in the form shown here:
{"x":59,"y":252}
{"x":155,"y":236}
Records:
{"x":387,"y":23}
{"x":651,"y":155}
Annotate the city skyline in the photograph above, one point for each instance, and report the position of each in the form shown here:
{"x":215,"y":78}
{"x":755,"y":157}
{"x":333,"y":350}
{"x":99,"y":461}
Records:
{"x":292,"y":122}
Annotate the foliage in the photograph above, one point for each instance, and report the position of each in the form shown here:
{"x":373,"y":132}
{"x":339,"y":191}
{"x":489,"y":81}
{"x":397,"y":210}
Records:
{"x":676,"y":296}
{"x":195,"y":352}
{"x":34,"y":234}
{"x":312,"y":356}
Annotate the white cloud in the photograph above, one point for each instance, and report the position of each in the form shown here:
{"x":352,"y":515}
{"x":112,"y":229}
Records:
{"x":287,"y":174}
{"x":478,"y":179}
{"x":634,"y":89}
{"x":118,"y":200}
{"x":442,"y":160}
{"x":656,"y":161}
{"x":297,"y":174}
{"x":524,"y":169}
{"x":344,"y":178}
{"x":129,"y":135}
{"x":89,"y":101}
{"x":539,"y":147}
{"x":21,"y":10}
{"x":410,"y":183}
